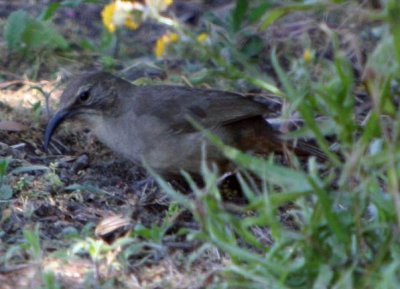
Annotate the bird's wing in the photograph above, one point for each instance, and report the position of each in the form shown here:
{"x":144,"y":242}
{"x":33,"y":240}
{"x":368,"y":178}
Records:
{"x":174,"y":105}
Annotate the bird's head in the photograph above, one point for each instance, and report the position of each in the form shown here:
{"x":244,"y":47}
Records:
{"x":87,"y":97}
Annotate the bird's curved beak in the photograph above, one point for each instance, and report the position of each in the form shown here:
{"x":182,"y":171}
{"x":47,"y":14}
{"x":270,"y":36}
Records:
{"x":54,"y":122}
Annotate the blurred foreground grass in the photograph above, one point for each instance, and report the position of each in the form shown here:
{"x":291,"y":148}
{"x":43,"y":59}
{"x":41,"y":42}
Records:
{"x":347,"y":211}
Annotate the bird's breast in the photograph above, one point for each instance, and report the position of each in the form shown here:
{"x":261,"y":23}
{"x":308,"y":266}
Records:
{"x":148,"y":139}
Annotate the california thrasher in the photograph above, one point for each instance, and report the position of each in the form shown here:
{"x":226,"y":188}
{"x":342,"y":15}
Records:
{"x":150,"y":123}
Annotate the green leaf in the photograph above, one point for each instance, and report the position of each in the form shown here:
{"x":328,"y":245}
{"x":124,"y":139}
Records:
{"x":29,"y":169}
{"x":24,"y":33}
{"x":106,"y":40}
{"x":238,"y":14}
{"x":33,"y":239}
{"x":253,"y":46}
{"x":290,"y":180}
{"x":49,"y":11}
{"x":86,"y":187}
{"x":71,"y":3}
{"x":278,"y":199}
{"x":87,"y":44}
{"x":258,"y":12}
{"x":273,"y":14}
{"x":271,"y":17}
{"x":286,"y":82}
{"x":14,"y":29}
{"x":3,"y":166}
{"x":394,"y":23}
{"x":6,"y":192}
{"x":76,"y":3}
{"x":380,"y":61}
{"x":331,"y":217}
{"x":50,"y":281}
{"x":142,"y":231}
{"x":39,"y":35}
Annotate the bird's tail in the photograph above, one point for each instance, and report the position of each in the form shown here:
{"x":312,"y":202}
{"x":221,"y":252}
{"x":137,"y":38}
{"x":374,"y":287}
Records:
{"x":304,"y":148}
{"x":278,"y":144}
{"x":257,"y":135}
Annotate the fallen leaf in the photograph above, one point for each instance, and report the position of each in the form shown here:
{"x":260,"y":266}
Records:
{"x":10,"y":125}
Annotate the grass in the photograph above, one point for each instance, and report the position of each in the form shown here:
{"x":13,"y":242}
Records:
{"x":346,"y":211}
{"x":332,"y":224}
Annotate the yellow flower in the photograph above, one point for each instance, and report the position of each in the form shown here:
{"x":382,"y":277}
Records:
{"x":307,"y":55}
{"x":117,"y":14}
{"x":162,"y":43}
{"x":131,"y":24}
{"x":107,"y":17}
{"x":173,"y":37}
{"x":202,"y":37}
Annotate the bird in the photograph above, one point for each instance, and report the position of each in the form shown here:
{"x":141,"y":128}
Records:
{"x":152,"y":125}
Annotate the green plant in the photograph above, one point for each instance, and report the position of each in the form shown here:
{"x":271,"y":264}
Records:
{"x":26,"y":35}
{"x":156,"y":233}
{"x":6,"y":191}
{"x":52,"y":177}
{"x":32,"y":243}
{"x":50,"y":281}
{"x":345,"y":213}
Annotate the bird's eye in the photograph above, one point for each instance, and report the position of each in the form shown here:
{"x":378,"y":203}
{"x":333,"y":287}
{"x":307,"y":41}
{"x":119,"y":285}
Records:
{"x":84,"y":96}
